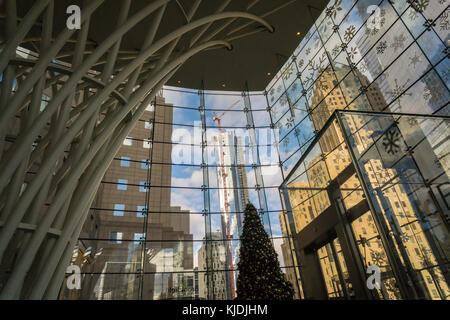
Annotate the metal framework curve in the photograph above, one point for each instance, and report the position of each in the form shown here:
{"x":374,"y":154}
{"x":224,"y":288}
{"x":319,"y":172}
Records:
{"x":69,"y":144}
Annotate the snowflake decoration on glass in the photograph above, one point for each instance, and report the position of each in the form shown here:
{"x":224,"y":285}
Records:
{"x":332,"y":11}
{"x":316,"y":42}
{"x":289,"y":122}
{"x":300,"y":63}
{"x":444,"y":24}
{"x":404,"y":237}
{"x":288,"y":72}
{"x":412,"y":122}
{"x":377,"y":257}
{"x":399,"y":42}
{"x":349,"y":33}
{"x":414,"y":60}
{"x":434,"y":90}
{"x":382,"y":46}
{"x":353,"y":52}
{"x":272,"y":93}
{"x":279,"y":89}
{"x":336,"y":50}
{"x":308,"y":80}
{"x":391,"y":141}
{"x":419,"y":5}
{"x":398,"y":92}
{"x":308,"y":51}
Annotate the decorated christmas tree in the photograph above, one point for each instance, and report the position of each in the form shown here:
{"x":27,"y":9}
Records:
{"x":260,"y":276}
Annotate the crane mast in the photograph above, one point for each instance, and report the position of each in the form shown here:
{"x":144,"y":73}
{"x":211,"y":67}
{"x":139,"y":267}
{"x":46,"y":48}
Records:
{"x":225,"y":195}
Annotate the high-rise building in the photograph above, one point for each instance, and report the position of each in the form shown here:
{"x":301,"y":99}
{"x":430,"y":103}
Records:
{"x":212,"y":263}
{"x":233,"y":196}
{"x":133,"y":219}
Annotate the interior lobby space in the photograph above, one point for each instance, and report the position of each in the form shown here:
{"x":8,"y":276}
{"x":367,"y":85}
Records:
{"x":134,"y":133}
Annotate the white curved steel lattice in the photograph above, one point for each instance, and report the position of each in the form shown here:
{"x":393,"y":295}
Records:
{"x":54,"y":154}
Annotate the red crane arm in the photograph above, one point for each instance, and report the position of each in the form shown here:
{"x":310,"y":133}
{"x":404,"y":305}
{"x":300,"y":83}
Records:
{"x":228,"y":109}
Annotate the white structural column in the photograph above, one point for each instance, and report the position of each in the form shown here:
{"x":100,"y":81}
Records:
{"x":53,"y":154}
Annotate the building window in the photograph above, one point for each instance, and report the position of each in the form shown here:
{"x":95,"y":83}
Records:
{"x":122,"y":184}
{"x":144,"y":164}
{"x":141,"y":211}
{"x":146,"y":144}
{"x":118,"y":209}
{"x":128,"y":141}
{"x":125,"y":162}
{"x":143,"y":186}
{"x":139,"y":237}
{"x":116,"y":237}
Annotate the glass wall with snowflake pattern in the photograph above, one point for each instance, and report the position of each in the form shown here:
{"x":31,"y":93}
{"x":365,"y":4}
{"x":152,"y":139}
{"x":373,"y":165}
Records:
{"x":375,"y":56}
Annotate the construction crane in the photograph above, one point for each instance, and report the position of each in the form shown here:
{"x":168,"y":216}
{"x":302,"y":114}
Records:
{"x":225,"y":196}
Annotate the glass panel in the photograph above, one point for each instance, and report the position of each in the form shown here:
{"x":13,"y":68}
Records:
{"x":373,"y":252}
{"x":330,"y":272}
{"x":405,"y":159}
{"x":343,"y":268}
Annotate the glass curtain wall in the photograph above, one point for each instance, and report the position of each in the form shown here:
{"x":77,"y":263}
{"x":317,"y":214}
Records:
{"x":166,"y":220}
{"x":366,"y":55}
{"x":397,"y":173}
